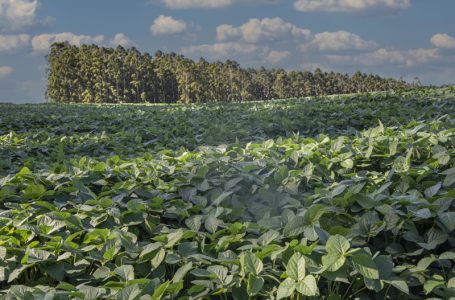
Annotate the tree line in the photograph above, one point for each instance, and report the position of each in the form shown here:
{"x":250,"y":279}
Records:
{"x":94,"y":74}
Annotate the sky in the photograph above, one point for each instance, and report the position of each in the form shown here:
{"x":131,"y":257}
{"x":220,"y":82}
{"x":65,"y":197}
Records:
{"x":396,"y":38}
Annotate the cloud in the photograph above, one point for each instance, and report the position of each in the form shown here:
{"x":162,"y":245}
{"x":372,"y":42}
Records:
{"x":337,"y":41}
{"x":221,"y":50}
{"x":247,"y":54}
{"x":121,"y":39}
{"x":381,"y":57}
{"x":348,"y":5}
{"x":43,"y":42}
{"x":186,"y":4}
{"x":275,"y":57}
{"x":167,"y":25}
{"x":257,"y":30}
{"x":12,"y":42}
{"x":442,"y":40}
{"x":5,"y":71}
{"x":16,"y":14}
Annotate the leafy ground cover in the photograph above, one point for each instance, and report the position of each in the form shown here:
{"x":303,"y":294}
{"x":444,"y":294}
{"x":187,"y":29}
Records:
{"x":130,"y":202}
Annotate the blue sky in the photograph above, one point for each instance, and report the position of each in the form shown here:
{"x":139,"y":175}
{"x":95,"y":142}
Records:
{"x":399,"y":38}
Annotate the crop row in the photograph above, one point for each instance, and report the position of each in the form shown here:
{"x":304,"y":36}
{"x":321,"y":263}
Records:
{"x":367,"y":215}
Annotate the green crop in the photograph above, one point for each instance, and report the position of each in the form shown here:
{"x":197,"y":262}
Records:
{"x":349,"y":198}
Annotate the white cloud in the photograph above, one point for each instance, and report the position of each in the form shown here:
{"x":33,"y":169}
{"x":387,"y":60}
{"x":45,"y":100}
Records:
{"x":167,"y":25}
{"x":18,"y":13}
{"x":257,"y":30}
{"x":186,"y":4}
{"x":247,"y":54}
{"x":348,"y":5}
{"x":221,"y":50}
{"x":43,"y":42}
{"x":383,"y":57}
{"x":12,"y":42}
{"x":339,"y":40}
{"x":442,"y":40}
{"x":206,"y":4}
{"x":5,"y":71}
{"x":225,"y":32}
{"x":275,"y":57}
{"x":121,"y":39}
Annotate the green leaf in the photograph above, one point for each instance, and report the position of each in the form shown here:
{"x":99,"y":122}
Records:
{"x":268,"y":237}
{"x":308,"y":286}
{"x":314,"y":213}
{"x":401,"y":165}
{"x":158,"y":259}
{"x":251,"y":263}
{"x":254,"y":285}
{"x":173,"y":238}
{"x":16,"y":273}
{"x":194,"y":223}
{"x":286,"y":289}
{"x":211,"y":224}
{"x":221,"y":272}
{"x":365,"y":265}
{"x":296,"y":267}
{"x":221,"y":198}
{"x":2,"y":253}
{"x":131,"y":292}
{"x":148,"y":252}
{"x":126,"y":272}
{"x":399,"y":284}
{"x":56,"y":271}
{"x":181,"y":272}
{"x":294,"y":227}
{"x":159,"y":292}
{"x":347,"y":164}
{"x":448,"y":220}
{"x":433,"y":190}
{"x":333,"y":261}
{"x":337,"y":244}
{"x":385,"y":266}
{"x":433,"y":283}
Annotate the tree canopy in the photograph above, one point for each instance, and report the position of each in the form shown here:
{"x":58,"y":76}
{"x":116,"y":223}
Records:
{"x":94,"y":74}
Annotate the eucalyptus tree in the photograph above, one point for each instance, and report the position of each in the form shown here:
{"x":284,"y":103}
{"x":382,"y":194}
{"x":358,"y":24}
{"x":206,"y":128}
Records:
{"x":94,"y":74}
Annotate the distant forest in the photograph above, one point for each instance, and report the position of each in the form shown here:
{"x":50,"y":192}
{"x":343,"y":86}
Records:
{"x":94,"y":74}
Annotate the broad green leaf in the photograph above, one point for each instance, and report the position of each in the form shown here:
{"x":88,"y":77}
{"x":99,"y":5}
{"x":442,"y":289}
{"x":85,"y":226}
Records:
{"x":399,"y":284}
{"x":385,"y":266}
{"x":211,"y":224}
{"x":221,"y":272}
{"x":254,"y":285}
{"x":194,"y":223}
{"x":126,"y":272}
{"x":308,"y":286}
{"x":337,"y":244}
{"x":448,"y":220}
{"x":181,"y":272}
{"x":250,"y":263}
{"x":149,"y":250}
{"x":433,"y":283}
{"x":333,"y":261}
{"x":268,"y":237}
{"x":296,"y":267}
{"x":159,"y":292}
{"x":433,"y":190}
{"x":347,"y":164}
{"x":158,"y":258}
{"x":129,"y":293}
{"x":401,"y":164}
{"x":314,"y":213}
{"x":173,"y":238}
{"x":286,"y":288}
{"x":365,"y":265}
